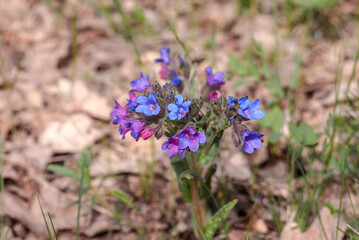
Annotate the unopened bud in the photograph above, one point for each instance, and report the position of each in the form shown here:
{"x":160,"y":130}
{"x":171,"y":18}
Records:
{"x":235,"y":138}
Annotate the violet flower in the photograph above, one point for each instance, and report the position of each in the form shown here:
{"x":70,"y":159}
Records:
{"x":119,"y":114}
{"x":165,"y":56}
{"x":251,"y":140}
{"x":191,"y":138}
{"x":142,"y":84}
{"x":214,"y":80}
{"x":172,"y":146}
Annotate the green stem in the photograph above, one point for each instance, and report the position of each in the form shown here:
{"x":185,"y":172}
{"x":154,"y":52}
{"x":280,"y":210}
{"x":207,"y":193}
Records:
{"x":196,"y":203}
{"x":208,"y":144}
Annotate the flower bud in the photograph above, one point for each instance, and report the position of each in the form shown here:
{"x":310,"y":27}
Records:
{"x":235,"y":138}
{"x":159,"y":133}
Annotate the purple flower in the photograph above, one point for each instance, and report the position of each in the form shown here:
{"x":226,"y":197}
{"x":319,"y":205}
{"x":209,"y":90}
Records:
{"x":142,"y":84}
{"x":148,"y":105}
{"x":119,"y":114}
{"x":180,"y":110}
{"x":191,"y":138}
{"x":251,"y":140}
{"x":172,"y":145}
{"x":165,"y":56}
{"x":136,"y":127}
{"x":250,"y":110}
{"x":231,"y":102}
{"x":214,"y":80}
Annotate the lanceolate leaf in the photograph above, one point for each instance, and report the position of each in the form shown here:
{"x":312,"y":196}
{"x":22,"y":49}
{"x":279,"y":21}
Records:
{"x":207,"y":157}
{"x":218,"y":219}
{"x":179,"y":167}
{"x":63,"y":171}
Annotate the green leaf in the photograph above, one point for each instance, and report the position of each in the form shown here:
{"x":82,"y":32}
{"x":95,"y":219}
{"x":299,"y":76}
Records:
{"x":252,"y":67}
{"x":237,"y":66}
{"x":190,"y":174}
{"x":179,"y":167}
{"x":303,"y":134}
{"x":309,"y":137}
{"x":207,"y":157}
{"x":124,"y":197}
{"x":86,"y":157}
{"x":274,"y":137}
{"x":63,"y":171}
{"x":218,"y":219}
{"x":273,"y":119}
{"x":275,"y":86}
{"x":295,"y":132}
{"x":205,"y":188}
{"x":185,"y":190}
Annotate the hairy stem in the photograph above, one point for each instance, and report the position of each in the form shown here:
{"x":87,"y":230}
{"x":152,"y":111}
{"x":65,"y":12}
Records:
{"x":196,"y":202}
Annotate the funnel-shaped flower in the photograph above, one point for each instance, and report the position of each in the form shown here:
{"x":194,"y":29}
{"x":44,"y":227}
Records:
{"x":142,"y":84}
{"x":119,"y":114}
{"x":191,"y":138}
{"x":165,"y":56}
{"x":172,"y":145}
{"x":180,"y":110}
{"x":251,"y":140}
{"x":214,"y":80}
{"x":250,"y":110}
{"x":148,"y":105}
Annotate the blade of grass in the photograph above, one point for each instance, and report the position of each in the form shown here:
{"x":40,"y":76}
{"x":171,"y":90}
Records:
{"x":43,"y":215}
{"x":128,"y":30}
{"x":2,"y":183}
{"x":342,"y":160}
{"x":79,"y":202}
{"x":6,"y":234}
{"x":173,"y":30}
{"x":52,"y":225}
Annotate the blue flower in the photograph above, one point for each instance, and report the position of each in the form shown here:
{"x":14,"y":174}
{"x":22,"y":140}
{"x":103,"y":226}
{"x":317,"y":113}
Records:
{"x":214,"y":80}
{"x":132,"y":105}
{"x":190,"y":138}
{"x":172,"y":146}
{"x":165,"y":56}
{"x":231,"y":102}
{"x":142,"y":84}
{"x":148,"y":105}
{"x":180,"y":110}
{"x":176,"y":81}
{"x":251,"y":140}
{"x":250,"y":110}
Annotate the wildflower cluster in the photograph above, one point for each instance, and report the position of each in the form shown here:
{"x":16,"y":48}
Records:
{"x":188,"y":123}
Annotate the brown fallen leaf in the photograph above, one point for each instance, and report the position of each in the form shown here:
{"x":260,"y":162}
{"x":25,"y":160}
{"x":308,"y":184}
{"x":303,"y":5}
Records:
{"x":325,"y":230}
